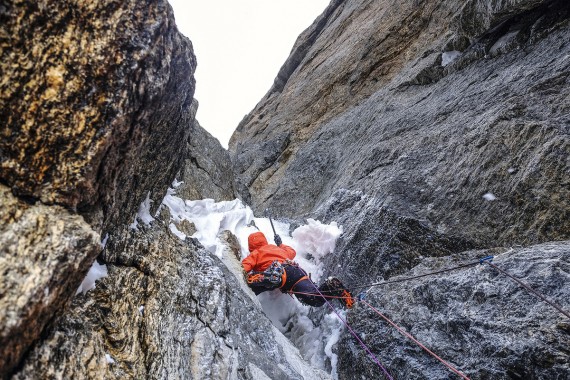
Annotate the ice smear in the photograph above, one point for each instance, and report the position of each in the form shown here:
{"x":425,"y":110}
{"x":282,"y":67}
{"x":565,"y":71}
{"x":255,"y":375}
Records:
{"x":104,"y":241}
{"x":143,"y":213}
{"x":449,"y":56}
{"x":109,"y":359}
{"x":335,"y":325}
{"x":181,"y":235}
{"x":312,"y":242}
{"x":96,"y":272}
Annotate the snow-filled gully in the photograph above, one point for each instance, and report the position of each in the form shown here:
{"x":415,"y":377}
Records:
{"x":311,"y":241}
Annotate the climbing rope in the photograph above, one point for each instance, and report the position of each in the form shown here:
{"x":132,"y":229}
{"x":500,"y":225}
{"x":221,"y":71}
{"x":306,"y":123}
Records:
{"x":374,"y":358}
{"x":536,"y":293}
{"x":421,"y":275}
{"x":487,"y":259}
{"x":322,"y":295}
{"x":453,"y":369}
{"x":480,"y":261}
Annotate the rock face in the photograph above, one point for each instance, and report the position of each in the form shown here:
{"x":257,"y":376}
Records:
{"x":96,"y":109}
{"x":477,"y":319}
{"x":168,"y":309}
{"x":207,"y":171}
{"x":378,"y":242}
{"x":429,"y":130}
{"x":369,"y":102}
{"x":95,"y":102}
{"x":44,"y":254}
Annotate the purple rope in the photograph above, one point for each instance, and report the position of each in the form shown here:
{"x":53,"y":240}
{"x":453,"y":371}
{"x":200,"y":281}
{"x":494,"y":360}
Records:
{"x":356,"y":336}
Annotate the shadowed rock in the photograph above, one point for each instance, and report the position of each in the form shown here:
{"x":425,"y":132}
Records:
{"x":95,"y":108}
{"x":207,"y":171}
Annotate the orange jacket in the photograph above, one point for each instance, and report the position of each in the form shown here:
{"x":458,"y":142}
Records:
{"x":262,"y":254}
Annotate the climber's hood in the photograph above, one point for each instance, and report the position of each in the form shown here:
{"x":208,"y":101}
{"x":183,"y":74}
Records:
{"x":256,"y":240}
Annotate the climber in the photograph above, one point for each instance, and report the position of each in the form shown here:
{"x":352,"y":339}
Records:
{"x":271,"y":266}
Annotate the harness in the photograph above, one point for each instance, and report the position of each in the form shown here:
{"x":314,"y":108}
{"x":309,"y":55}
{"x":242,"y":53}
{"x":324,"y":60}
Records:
{"x":275,"y":276}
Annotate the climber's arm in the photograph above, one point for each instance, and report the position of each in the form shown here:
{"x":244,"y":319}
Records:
{"x":249,"y":262}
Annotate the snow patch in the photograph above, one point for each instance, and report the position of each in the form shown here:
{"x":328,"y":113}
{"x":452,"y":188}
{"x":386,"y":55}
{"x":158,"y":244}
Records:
{"x":176,"y":184}
{"x":96,"y":272}
{"x":449,"y":56}
{"x":489,"y":197}
{"x":317,"y":238}
{"x":144,"y":213}
{"x":181,"y":235}
{"x":210,"y":219}
{"x":109,"y":359}
{"x":312,"y":242}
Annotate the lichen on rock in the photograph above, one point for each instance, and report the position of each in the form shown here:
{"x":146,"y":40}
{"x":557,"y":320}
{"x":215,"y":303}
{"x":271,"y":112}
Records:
{"x":95,"y":102}
{"x":45,"y":252}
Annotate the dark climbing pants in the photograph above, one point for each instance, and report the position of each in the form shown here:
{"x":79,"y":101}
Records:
{"x":308,"y":289}
{"x":305,"y":290}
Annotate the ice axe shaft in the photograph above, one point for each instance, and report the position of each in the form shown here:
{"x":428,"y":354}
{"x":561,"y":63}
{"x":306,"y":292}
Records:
{"x":270,"y":221}
{"x":276,"y":237}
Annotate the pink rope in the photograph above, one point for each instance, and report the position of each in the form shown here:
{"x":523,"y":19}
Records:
{"x":386,"y":374}
{"x":453,"y":369}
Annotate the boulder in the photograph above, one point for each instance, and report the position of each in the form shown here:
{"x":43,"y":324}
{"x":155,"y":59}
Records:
{"x":95,"y":103}
{"x":45,"y":252}
{"x":96,"y":111}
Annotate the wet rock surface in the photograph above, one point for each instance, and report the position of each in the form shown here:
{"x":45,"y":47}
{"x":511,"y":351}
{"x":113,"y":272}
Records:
{"x":378,"y":242}
{"x":429,"y":140}
{"x":477,"y":319}
{"x":429,"y":131}
{"x":95,"y":103}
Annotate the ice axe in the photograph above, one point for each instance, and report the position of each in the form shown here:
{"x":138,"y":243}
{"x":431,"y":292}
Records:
{"x":276,"y":238}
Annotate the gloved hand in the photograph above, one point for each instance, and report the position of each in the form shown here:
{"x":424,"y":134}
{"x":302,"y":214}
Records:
{"x":277,"y":239}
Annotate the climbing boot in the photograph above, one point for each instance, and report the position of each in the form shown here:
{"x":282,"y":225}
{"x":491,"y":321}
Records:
{"x":347,"y":299}
{"x":333,"y":287}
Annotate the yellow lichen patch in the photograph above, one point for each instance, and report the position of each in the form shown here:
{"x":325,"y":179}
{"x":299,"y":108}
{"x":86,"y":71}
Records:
{"x":54,"y":76}
{"x":79,"y":123}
